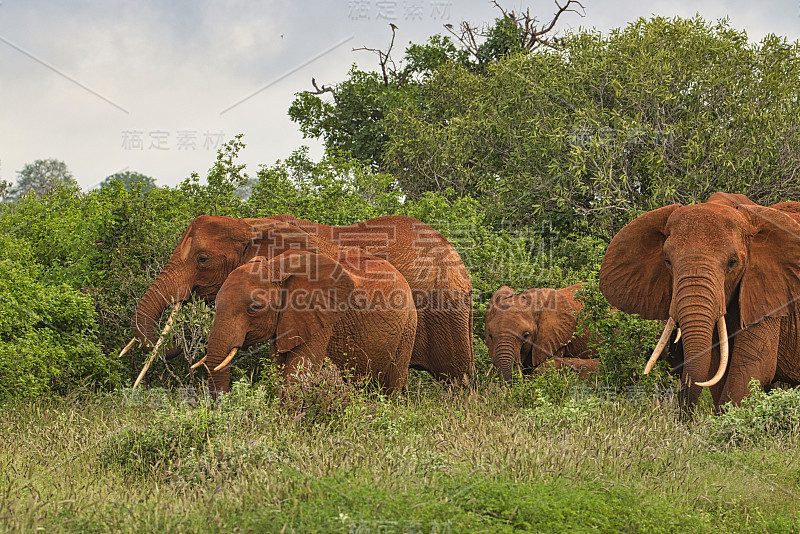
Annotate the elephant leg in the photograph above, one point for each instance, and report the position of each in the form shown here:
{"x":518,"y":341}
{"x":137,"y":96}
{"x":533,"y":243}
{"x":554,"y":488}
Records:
{"x":396,"y":376}
{"x":755,"y":355}
{"x":443,"y":344}
{"x":305,"y":358}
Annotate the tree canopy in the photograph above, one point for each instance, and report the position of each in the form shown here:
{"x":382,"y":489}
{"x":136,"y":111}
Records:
{"x":130,"y":179}
{"x":41,"y":177}
{"x":585,"y":134}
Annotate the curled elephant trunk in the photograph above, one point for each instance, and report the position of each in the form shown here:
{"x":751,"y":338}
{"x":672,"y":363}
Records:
{"x":160,"y":296}
{"x":698,"y":321}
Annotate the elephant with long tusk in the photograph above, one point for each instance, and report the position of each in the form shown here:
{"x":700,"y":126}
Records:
{"x":213,"y":247}
{"x":726,"y":272}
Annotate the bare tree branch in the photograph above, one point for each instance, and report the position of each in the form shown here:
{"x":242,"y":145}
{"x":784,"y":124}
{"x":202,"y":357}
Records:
{"x":384,"y":58}
{"x":532,"y":35}
{"x":320,"y":90}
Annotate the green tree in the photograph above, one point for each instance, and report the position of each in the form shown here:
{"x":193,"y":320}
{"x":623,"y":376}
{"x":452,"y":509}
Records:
{"x":353,"y":118}
{"x":593,"y":133}
{"x":129,"y":179}
{"x":41,"y":177}
{"x":5,"y":189}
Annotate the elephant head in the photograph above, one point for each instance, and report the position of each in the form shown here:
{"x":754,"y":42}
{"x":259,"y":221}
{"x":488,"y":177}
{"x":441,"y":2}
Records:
{"x":210,"y":249}
{"x":712,"y":268}
{"x":526,"y":329}
{"x":289,"y":299}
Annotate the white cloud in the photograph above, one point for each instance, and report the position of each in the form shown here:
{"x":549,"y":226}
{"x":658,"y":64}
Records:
{"x":178,"y":65}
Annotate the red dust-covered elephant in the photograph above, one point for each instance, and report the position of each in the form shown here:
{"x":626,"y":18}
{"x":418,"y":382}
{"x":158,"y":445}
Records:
{"x":527,"y":330}
{"x":356,"y":310}
{"x":727,"y":273}
{"x":212,"y":247}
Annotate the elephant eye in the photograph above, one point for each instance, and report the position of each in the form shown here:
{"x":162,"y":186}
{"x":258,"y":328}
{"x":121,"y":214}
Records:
{"x":666,"y":260}
{"x":202,"y":259}
{"x":732,"y":262}
{"x":526,"y":336}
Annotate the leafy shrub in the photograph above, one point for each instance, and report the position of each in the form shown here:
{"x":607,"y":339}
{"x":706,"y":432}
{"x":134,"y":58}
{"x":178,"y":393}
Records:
{"x":623,"y":342}
{"x":555,"y":386}
{"x":761,"y":416}
{"x":156,"y":448}
{"x":48,"y":331}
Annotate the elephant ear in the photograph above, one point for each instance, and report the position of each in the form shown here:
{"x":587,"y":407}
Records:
{"x":771,"y":280}
{"x":564,"y":316}
{"x":317,"y":291}
{"x":554,"y":311}
{"x":633,"y":276}
{"x":733,"y":200}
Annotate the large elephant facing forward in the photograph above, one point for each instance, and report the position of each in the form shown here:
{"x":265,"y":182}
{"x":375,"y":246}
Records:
{"x":725,"y":272}
{"x":212,"y":247}
{"x":527,"y":329}
{"x":357,"y":311}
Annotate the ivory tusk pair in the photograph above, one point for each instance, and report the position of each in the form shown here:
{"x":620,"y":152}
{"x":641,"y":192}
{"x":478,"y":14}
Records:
{"x":225,"y":362}
{"x":722,"y":329}
{"x":491,"y":367}
{"x":160,"y":341}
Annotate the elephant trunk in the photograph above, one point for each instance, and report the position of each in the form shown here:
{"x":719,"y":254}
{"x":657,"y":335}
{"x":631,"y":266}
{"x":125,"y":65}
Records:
{"x":166,"y":290}
{"x":223,"y":341}
{"x":697,"y":310}
{"x":507,"y":355}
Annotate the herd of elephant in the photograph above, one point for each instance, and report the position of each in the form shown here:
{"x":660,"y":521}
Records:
{"x":391,"y":294}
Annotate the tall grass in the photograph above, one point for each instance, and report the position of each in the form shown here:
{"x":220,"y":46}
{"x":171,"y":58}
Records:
{"x":488,"y":458}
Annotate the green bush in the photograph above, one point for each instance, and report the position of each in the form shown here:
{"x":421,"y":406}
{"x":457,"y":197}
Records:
{"x":623,"y":342}
{"x":761,"y":416}
{"x":48,"y":331}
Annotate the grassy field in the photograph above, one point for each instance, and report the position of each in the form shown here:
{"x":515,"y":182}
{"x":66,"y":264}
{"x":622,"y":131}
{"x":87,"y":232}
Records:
{"x":532,"y":457}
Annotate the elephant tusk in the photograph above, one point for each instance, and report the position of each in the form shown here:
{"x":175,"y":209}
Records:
{"x":662,"y":342}
{"x":161,"y":338}
{"x":199,"y":362}
{"x":519,"y":369}
{"x":678,"y":337}
{"x":128,"y":346}
{"x":227,"y":359}
{"x":723,"y":354}
{"x":491,"y":366}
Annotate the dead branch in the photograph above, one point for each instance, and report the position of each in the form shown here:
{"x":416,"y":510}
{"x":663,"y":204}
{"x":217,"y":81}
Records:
{"x":532,"y":35}
{"x":320,"y":90}
{"x":384,"y":58}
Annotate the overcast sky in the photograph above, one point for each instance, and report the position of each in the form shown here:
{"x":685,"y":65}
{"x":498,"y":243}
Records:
{"x":155,"y":87}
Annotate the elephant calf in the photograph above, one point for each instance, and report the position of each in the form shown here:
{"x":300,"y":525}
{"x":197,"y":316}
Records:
{"x":525,"y":330}
{"x":356,"y":310}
